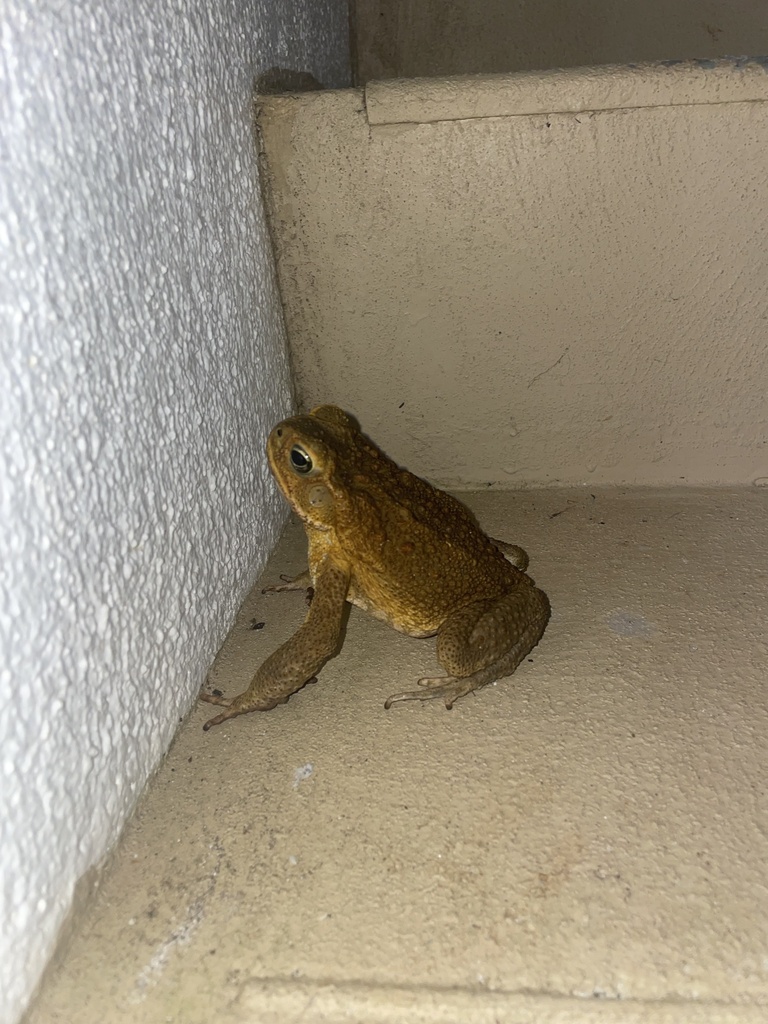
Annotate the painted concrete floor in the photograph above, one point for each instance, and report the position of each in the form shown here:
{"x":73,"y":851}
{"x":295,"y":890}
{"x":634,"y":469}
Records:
{"x":587,"y":841}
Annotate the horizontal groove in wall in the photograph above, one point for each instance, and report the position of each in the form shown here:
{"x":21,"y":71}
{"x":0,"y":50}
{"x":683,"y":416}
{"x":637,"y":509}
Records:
{"x":273,"y":999}
{"x":568,"y":90}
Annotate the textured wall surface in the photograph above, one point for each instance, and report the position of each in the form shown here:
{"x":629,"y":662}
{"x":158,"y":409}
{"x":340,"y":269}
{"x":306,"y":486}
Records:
{"x":407,"y":38}
{"x":554,"y":296}
{"x":143,"y":361}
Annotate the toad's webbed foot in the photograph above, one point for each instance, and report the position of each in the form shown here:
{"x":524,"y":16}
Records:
{"x":450,"y":688}
{"x":483,"y":642}
{"x":301,"y":582}
{"x":214,"y":698}
{"x":243,"y":704}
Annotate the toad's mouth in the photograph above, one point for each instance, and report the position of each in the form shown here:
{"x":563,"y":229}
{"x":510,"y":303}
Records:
{"x":306,"y":517}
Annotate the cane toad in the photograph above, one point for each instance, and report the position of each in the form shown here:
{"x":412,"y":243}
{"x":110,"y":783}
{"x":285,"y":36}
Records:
{"x":400,"y":549}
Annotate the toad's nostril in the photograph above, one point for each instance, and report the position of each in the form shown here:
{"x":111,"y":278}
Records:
{"x":279,"y":432}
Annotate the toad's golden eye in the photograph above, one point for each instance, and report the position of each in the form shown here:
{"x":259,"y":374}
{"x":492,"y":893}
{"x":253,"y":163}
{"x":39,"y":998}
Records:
{"x":300,"y":461}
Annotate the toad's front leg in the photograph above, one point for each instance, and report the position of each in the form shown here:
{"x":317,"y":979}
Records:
{"x":297,"y":661}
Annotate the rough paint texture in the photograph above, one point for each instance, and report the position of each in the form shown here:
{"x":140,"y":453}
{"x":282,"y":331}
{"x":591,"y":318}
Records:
{"x":567,"y":297}
{"x":143,"y":358}
{"x":584,"y":843}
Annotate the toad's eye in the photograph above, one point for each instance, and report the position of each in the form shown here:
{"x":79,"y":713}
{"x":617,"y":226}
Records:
{"x":300,"y":461}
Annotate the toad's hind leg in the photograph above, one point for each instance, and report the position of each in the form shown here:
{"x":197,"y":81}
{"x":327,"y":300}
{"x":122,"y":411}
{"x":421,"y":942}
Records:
{"x":482,"y":642}
{"x":513,"y":553}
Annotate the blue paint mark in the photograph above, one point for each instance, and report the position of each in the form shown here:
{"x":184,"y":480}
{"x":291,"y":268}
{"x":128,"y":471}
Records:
{"x":708,"y":64}
{"x":743,"y":61}
{"x":305,"y":772}
{"x":628,"y":624}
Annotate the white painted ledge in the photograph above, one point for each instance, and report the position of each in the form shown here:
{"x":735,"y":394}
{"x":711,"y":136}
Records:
{"x":568,"y":90}
{"x":583,"y":842}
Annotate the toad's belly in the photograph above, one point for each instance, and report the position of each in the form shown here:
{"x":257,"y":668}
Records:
{"x":412,"y":622}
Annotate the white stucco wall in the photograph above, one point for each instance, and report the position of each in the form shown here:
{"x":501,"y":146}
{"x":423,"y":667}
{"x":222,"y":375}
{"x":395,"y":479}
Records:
{"x":143,"y":359}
